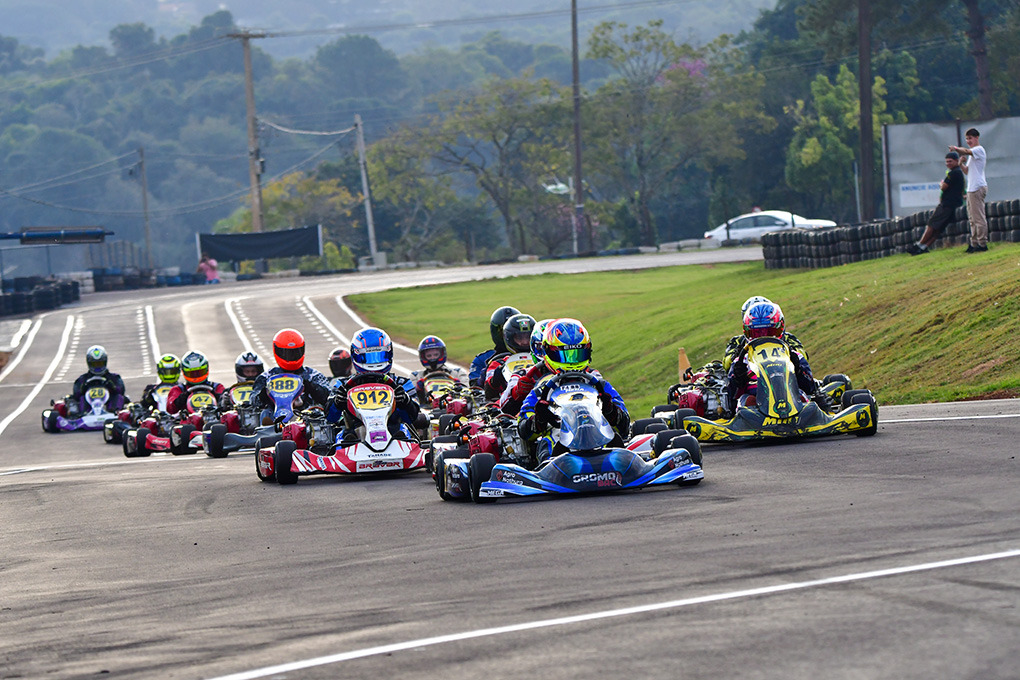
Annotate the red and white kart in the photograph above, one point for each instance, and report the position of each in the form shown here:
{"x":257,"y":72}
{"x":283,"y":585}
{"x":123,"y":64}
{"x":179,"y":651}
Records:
{"x":371,"y":448}
{"x":180,"y":434}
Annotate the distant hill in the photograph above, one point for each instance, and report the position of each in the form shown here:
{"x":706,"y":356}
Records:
{"x":400,"y":25}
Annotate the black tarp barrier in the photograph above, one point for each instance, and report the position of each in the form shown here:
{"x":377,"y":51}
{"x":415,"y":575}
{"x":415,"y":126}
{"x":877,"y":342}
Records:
{"x":262,"y":245}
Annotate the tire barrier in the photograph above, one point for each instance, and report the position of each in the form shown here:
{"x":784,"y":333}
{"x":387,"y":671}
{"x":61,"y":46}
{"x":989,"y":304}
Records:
{"x":44,"y":296}
{"x":833,"y":246}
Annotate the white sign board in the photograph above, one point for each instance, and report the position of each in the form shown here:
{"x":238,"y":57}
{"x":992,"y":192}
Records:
{"x":924,"y":195}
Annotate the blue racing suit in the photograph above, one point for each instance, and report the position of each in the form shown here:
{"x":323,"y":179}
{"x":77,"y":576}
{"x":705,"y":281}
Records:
{"x":404,"y":414}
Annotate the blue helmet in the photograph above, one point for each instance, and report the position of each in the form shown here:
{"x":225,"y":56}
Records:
{"x":537,"y":333}
{"x":764,"y":319}
{"x":372,"y":351}
{"x":432,"y":352}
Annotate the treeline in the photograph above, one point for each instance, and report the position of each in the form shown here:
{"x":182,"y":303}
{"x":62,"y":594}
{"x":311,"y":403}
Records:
{"x":471,"y":149}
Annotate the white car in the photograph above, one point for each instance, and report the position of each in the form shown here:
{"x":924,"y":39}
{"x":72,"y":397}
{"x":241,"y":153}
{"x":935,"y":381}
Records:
{"x":752,"y":225}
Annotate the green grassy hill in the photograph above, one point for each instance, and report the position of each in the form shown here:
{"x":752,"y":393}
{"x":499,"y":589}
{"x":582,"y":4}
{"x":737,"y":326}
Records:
{"x":939,"y":327}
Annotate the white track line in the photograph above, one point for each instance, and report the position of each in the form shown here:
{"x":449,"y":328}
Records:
{"x":361,"y":322}
{"x":237,"y":324}
{"x":24,"y":350}
{"x":153,"y":342}
{"x":46,"y":376}
{"x":612,"y":613}
{"x":941,"y":418}
{"x":25,"y":325}
{"x":344,"y":340}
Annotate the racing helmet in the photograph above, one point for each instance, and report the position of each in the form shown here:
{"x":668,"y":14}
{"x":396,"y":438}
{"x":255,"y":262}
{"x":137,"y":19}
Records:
{"x":289,"y":349}
{"x":764,"y":319}
{"x":340,"y":363}
{"x":567,"y":346}
{"x":168,"y":368}
{"x":248,"y":366}
{"x":95,"y":357}
{"x":195,"y":367}
{"x":753,"y":300}
{"x":496,"y":322}
{"x":372,"y":351}
{"x":517,"y":333}
{"x":432,"y":352}
{"x":537,"y":333}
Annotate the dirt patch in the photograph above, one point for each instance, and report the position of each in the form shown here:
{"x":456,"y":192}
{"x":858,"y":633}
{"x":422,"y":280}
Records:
{"x":981,"y":368}
{"x":997,"y":394}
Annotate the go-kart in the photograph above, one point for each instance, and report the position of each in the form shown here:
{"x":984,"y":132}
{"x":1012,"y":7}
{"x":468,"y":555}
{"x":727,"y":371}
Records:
{"x":369,"y":448}
{"x":580,"y":460}
{"x":445,"y":399}
{"x":132,"y":415}
{"x":778,"y":409}
{"x":242,"y":427}
{"x":66,"y":416}
{"x":180,"y":434}
{"x":487,"y":430}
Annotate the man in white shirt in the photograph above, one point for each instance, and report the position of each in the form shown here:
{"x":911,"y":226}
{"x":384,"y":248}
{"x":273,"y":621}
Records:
{"x":977,"y":188}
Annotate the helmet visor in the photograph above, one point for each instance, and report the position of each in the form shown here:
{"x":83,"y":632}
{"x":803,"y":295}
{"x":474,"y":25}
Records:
{"x":289,"y":353}
{"x":169,"y":375}
{"x":378,"y":356}
{"x":196,"y":374}
{"x":249,"y":371}
{"x":519,"y":341}
{"x":767,"y":332}
{"x":569,"y":355}
{"x":433,"y":355}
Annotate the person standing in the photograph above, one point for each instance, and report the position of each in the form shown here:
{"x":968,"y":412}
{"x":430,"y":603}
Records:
{"x":950,"y":199}
{"x":977,"y":189}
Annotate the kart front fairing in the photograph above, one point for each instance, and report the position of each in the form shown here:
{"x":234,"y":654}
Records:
{"x":96,"y":398}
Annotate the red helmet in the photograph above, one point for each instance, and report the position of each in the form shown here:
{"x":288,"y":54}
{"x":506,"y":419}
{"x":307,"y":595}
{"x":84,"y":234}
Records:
{"x":764,"y":319}
{"x":340,"y":363}
{"x":289,"y":349}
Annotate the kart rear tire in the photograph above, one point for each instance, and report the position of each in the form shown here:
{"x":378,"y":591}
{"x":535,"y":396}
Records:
{"x":639,"y":425}
{"x":691,"y":443}
{"x":258,"y":470}
{"x":869,"y":399}
{"x":141,"y":442}
{"x":283,"y":457}
{"x":49,"y":421}
{"x":182,"y":448}
{"x":439,"y":476}
{"x":662,"y":438}
{"x":445,"y":421}
{"x":848,"y":396}
{"x":430,"y":455}
{"x":838,"y":377}
{"x":216,"y":434}
{"x":657,"y":426}
{"x":663,"y":410}
{"x":677,"y":421}
{"x":480,"y":470}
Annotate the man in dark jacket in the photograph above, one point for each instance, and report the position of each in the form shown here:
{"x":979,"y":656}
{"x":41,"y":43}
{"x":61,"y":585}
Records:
{"x":950,"y":199}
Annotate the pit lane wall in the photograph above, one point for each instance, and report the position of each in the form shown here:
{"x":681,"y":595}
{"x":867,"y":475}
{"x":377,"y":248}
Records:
{"x":833,"y":246}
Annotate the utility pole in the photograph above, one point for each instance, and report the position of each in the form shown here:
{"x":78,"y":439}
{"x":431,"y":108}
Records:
{"x":254,"y":153}
{"x":145,"y":207}
{"x":364,"y":188}
{"x":578,"y":218}
{"x":867,"y":126}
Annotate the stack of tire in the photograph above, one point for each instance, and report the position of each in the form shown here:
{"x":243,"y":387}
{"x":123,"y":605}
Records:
{"x":816,"y":248}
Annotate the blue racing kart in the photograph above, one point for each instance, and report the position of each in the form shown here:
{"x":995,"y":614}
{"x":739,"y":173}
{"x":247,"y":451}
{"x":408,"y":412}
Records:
{"x":584,"y":463}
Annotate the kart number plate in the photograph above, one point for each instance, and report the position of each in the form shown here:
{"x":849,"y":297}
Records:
{"x":284,"y":384}
{"x":371,"y":398}
{"x":96,"y":393}
{"x":240,"y":394}
{"x":200,"y":400}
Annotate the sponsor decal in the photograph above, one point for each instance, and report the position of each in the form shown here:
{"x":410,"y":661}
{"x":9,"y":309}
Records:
{"x":681,"y":458}
{"x":377,"y":436}
{"x":864,"y":417}
{"x":508,"y":477}
{"x":379,"y":465}
{"x":600,"y":478}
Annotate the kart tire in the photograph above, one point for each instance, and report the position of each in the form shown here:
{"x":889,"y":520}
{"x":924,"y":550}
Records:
{"x":141,"y":441}
{"x":693,"y":446}
{"x":216,"y":434}
{"x":430,"y":455}
{"x":271,"y":477}
{"x":111,"y":434}
{"x":869,"y":399}
{"x":445,"y":421}
{"x":480,"y":470}
{"x":182,"y":448}
{"x":657,"y":426}
{"x":838,"y":377}
{"x":663,"y":411}
{"x":662,"y":438}
{"x":677,"y":421}
{"x":439,"y":475}
{"x":283,"y":457}
{"x":849,"y":395}
{"x":49,"y":421}
{"x":639,"y":425}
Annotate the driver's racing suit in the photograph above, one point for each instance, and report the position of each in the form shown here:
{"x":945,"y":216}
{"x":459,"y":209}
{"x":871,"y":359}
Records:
{"x":405,"y":411}
{"x":315,"y":387}
{"x":112,"y":382}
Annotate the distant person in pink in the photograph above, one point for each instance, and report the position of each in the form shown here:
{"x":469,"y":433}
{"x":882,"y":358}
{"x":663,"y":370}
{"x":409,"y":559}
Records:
{"x":207,"y":266}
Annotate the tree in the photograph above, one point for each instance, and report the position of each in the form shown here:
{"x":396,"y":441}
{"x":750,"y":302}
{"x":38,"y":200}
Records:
{"x":671,"y":107}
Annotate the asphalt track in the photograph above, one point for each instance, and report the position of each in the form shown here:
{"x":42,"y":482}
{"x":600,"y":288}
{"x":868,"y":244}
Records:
{"x":895,"y":556}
